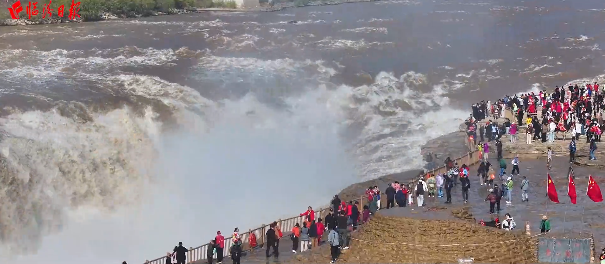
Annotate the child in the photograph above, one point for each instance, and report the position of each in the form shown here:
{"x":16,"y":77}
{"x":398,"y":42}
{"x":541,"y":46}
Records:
{"x":366,"y":214}
{"x":545,"y":225}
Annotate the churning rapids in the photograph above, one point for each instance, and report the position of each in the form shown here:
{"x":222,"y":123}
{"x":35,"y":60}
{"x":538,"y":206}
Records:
{"x":118,"y":139}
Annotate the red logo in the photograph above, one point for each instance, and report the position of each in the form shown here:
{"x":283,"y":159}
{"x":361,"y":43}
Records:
{"x":32,"y":10}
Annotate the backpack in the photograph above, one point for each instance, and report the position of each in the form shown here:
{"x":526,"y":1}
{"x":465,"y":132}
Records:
{"x":419,"y":188}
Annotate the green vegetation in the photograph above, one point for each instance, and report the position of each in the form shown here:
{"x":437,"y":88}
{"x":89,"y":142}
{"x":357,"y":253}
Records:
{"x":301,"y":3}
{"x":216,"y":4}
{"x":92,"y":10}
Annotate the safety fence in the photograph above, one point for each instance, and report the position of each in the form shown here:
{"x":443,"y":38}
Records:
{"x":286,"y":225}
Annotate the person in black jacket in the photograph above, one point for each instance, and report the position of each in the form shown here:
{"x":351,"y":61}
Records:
{"x":330,"y":220}
{"x":236,"y":253}
{"x":181,"y":253}
{"x":355,"y":214}
{"x":313,"y":234}
{"x":168,"y":259}
{"x":449,"y":184}
{"x":390,"y":192}
{"x":343,"y":232}
{"x":210,"y":251}
{"x":498,"y":194}
{"x":466,"y":185}
{"x":335,"y":203}
{"x":271,"y":241}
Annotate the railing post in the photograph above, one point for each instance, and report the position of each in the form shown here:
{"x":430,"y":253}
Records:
{"x":262,"y":235}
{"x":249,"y":236}
{"x":361,"y":203}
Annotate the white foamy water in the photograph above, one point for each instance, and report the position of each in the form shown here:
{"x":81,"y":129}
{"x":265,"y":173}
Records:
{"x":382,"y":30}
{"x":103,"y":182}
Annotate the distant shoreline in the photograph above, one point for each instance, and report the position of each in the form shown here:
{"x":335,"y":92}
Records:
{"x":109,"y":16}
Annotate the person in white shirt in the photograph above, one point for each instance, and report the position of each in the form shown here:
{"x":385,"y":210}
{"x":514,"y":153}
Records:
{"x":515,"y":163}
{"x":508,"y":223}
{"x":578,"y":128}
{"x":551,"y":131}
{"x":421,"y":188}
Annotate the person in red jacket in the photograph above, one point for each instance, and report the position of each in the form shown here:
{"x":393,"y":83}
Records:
{"x":310,"y":215}
{"x":220,"y":246}
{"x":320,"y":230}
{"x":342,"y":208}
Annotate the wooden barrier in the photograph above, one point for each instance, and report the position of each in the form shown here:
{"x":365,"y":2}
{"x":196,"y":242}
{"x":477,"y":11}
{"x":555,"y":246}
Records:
{"x":286,"y":225}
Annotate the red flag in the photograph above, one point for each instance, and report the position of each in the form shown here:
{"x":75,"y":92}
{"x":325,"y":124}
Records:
{"x":551,"y":190}
{"x":571,"y":189}
{"x":593,"y":191}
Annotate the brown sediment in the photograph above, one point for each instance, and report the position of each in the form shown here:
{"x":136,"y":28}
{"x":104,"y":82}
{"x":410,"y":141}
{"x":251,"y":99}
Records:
{"x":404,"y":240}
{"x":464,"y":214}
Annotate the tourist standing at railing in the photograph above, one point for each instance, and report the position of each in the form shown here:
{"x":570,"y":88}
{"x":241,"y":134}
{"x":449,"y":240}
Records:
{"x":236,"y":253}
{"x":449,"y":184}
{"x":350,"y":212}
{"x":355,"y":215}
{"x":295,"y":237}
{"x":365,"y":214}
{"x":439,"y":180}
{"x":335,"y":203}
{"x":378,"y":196}
{"x":181,"y":253}
{"x":235,"y":237}
{"x":369,"y":194}
{"x":278,"y":232}
{"x":210,"y":251}
{"x":390,"y":192}
{"x":401,"y":196}
{"x":309,"y":215}
{"x":410,"y":194}
{"x":272,"y":240}
{"x":220,"y":246}
{"x":304,"y":238}
{"x":431,"y":182}
{"x":343,"y":231}
{"x":168,"y":259}
{"x":330,"y":219}
{"x":342,"y":208}
{"x":421,"y":188}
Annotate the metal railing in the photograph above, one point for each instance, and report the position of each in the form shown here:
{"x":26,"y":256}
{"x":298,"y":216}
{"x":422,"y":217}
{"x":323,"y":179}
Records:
{"x":286,"y":225}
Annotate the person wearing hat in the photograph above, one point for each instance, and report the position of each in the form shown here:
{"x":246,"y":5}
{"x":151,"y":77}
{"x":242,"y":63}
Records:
{"x":509,"y":190}
{"x":545,"y":225}
{"x":491,"y":197}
